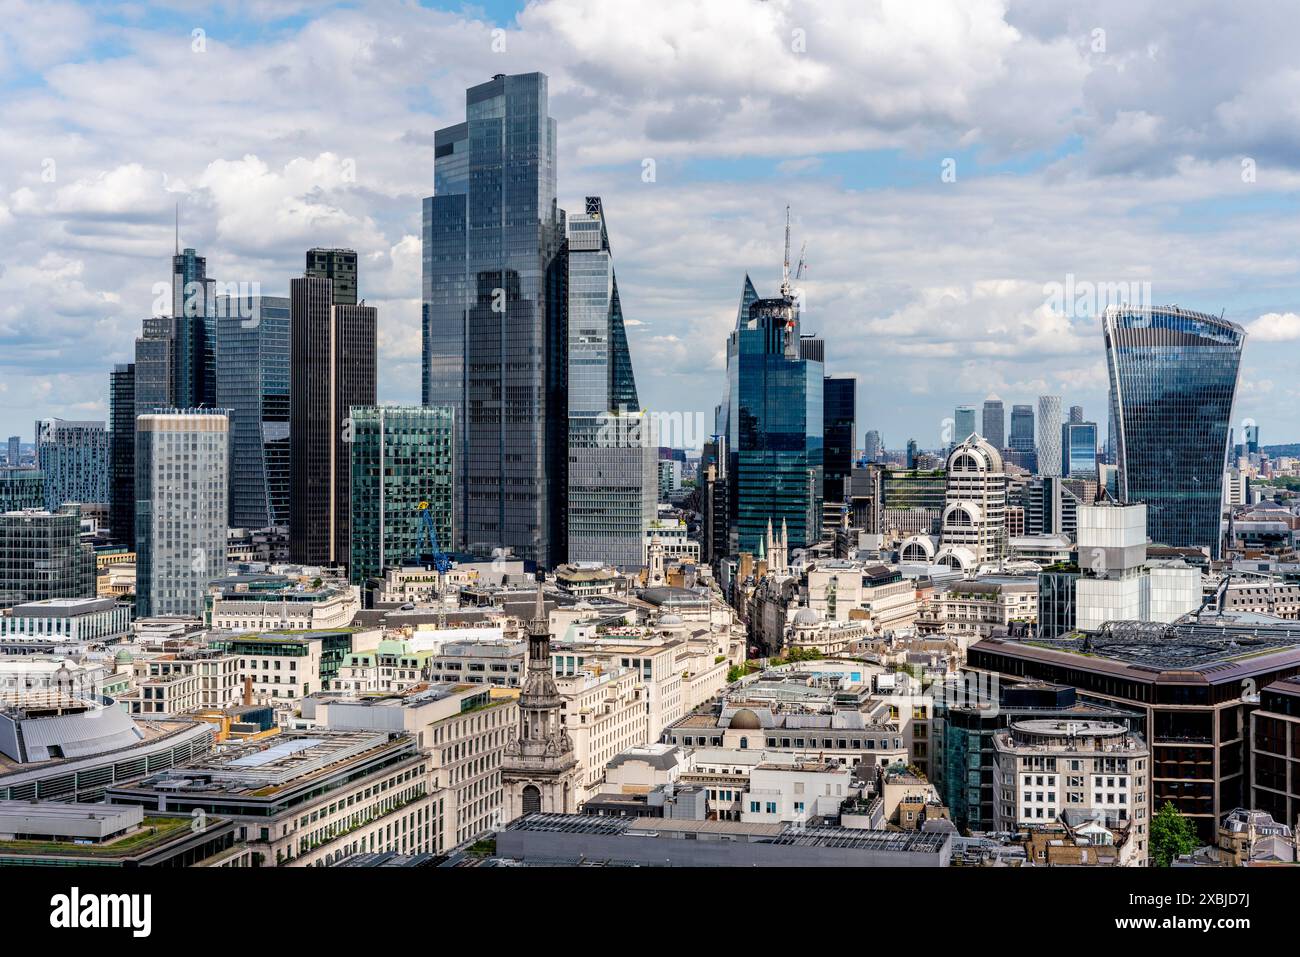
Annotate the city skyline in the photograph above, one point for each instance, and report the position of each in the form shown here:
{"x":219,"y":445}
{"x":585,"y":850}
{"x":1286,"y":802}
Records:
{"x":87,"y":231}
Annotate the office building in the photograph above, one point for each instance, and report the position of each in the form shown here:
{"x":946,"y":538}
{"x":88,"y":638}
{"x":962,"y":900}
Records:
{"x":1049,"y":435}
{"x":1117,"y":581}
{"x":307,"y":799}
{"x":121,"y":455}
{"x":872,"y":446}
{"x":494,"y":328}
{"x":339,"y":266}
{"x":1185,"y":678}
{"x":13,"y":457}
{"x":612,"y":483}
{"x":181,"y":488}
{"x":995,"y":423}
{"x":964,"y":424}
{"x":1079,"y":449}
{"x":253,"y":384}
{"x":974,"y":530}
{"x":333,"y":370}
{"x":155,"y":365}
{"x":839,"y":424}
{"x":42,"y":556}
{"x":1022,"y":428}
{"x":73,"y":457}
{"x":193,"y":309}
{"x":403,"y":463}
{"x":1048,"y":768}
{"x":1274,"y":734}
{"x":21,"y":489}
{"x":776,"y":425}
{"x":1173,"y":380}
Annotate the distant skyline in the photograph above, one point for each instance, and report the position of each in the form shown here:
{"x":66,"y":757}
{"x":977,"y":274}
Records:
{"x":953,"y":170}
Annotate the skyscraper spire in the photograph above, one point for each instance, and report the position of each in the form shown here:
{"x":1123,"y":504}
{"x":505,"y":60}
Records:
{"x":178,"y":228}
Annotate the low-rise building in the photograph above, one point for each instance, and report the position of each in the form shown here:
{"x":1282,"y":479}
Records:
{"x":306,"y":799}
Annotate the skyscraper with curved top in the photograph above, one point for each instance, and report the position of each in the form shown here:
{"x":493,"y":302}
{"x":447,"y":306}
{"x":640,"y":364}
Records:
{"x":1173,"y":380}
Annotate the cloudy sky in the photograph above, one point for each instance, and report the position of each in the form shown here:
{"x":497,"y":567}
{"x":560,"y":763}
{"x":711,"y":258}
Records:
{"x":946,"y":161}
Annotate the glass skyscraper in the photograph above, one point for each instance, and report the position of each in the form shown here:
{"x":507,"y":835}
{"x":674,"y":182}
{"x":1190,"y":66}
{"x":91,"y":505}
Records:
{"x":1022,"y":428}
{"x":253,"y":383}
{"x":776,"y":410}
{"x":995,"y":423}
{"x":1049,"y":435}
{"x":1173,"y":380}
{"x":195,"y":370}
{"x":839,"y":419}
{"x":612,"y":480}
{"x":42,"y":556}
{"x":121,"y":454}
{"x":401,"y":456}
{"x":494,"y":289}
{"x":1079,"y":445}
{"x":963,"y":418}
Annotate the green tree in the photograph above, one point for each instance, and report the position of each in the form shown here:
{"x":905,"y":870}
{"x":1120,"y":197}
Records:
{"x":1171,"y":835}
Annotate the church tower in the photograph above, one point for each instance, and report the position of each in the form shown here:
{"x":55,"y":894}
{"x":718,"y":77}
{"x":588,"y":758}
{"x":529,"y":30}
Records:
{"x":539,"y":771}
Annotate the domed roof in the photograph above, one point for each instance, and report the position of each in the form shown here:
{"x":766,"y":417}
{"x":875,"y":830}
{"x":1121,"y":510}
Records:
{"x":670,"y":620}
{"x":124,"y":656}
{"x":806,"y":616}
{"x":746,"y":720}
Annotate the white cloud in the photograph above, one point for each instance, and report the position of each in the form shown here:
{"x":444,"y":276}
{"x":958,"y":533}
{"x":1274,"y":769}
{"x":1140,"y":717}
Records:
{"x":1275,"y":327}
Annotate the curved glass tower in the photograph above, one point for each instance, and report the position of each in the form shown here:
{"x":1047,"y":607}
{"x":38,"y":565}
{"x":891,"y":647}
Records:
{"x":1173,"y":379}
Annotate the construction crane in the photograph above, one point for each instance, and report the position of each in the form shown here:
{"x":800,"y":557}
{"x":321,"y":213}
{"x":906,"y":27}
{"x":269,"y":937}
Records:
{"x":803,"y":261}
{"x":433,"y":558}
{"x":785,"y":266}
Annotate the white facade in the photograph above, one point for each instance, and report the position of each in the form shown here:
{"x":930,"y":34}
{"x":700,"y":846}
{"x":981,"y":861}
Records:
{"x":182,"y":473}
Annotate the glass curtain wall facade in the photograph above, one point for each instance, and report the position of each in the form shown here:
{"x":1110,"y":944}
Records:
{"x":995,"y":423}
{"x":1022,"y":428}
{"x":613,"y":457}
{"x":776,"y":415}
{"x":1173,"y":381}
{"x":42,"y":556}
{"x":401,"y":456}
{"x":494,"y":289}
{"x":1049,"y":435}
{"x":195,"y":371}
{"x":839,"y":419}
{"x":1079,"y":443}
{"x":121,"y":454}
{"x":253,"y":383}
{"x":20,"y":489}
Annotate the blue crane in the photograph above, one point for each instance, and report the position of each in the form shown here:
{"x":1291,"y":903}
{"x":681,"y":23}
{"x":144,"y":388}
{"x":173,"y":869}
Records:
{"x":430,"y":555}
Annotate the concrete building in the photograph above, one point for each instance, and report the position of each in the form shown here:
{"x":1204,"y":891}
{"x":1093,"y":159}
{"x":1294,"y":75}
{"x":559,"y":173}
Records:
{"x":1046,"y":767}
{"x":462,"y":730}
{"x":71,"y":620}
{"x":181,"y":487}
{"x":279,"y":603}
{"x":307,"y":799}
{"x":987,"y":605}
{"x":1117,"y":582}
{"x":973,"y":533}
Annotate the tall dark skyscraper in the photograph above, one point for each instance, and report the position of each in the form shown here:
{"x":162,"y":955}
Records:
{"x":333,"y":369}
{"x":121,"y":454}
{"x":195,"y":370}
{"x":494,"y":306}
{"x":155,"y":364}
{"x":839,"y":422}
{"x":1173,"y":380}
{"x":995,"y":423}
{"x":1022,"y":428}
{"x":340,"y":267}
{"x":253,"y":386}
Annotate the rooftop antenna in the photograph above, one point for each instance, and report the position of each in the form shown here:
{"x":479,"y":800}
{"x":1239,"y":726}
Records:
{"x":785,"y":267}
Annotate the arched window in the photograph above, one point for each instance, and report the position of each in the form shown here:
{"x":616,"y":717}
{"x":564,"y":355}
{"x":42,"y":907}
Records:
{"x":532,"y":799}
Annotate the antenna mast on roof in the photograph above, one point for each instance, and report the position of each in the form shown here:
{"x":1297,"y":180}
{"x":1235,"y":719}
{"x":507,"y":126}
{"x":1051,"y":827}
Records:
{"x":785,"y":267}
